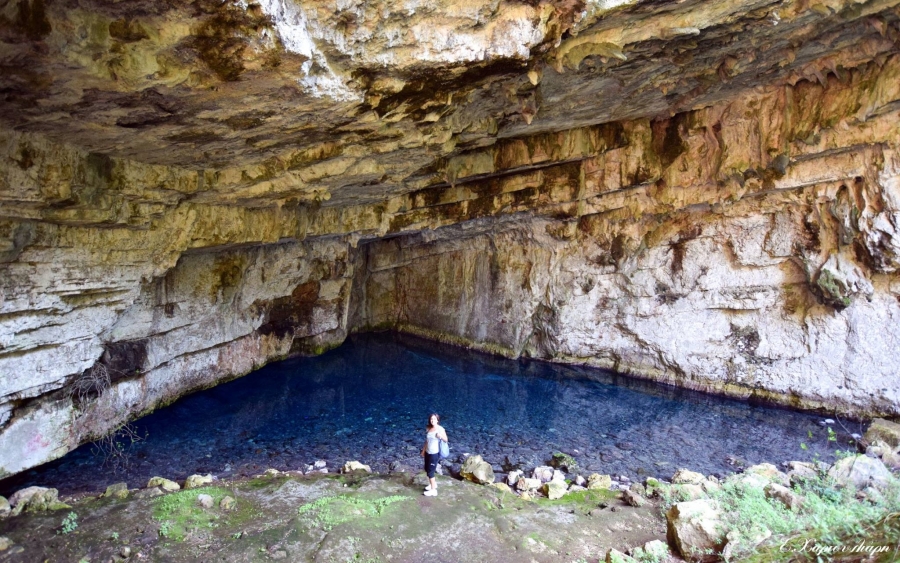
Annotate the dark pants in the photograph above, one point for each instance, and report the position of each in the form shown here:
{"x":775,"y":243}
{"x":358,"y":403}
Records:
{"x":431,"y":461}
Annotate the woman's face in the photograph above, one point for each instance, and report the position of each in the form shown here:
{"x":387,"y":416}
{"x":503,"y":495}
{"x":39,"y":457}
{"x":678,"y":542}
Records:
{"x":433,"y":420}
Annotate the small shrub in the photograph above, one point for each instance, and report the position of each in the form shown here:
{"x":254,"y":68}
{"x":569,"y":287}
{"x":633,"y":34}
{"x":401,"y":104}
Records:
{"x":69,"y":523}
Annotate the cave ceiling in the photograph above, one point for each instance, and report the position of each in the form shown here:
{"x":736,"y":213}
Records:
{"x":352,"y":102}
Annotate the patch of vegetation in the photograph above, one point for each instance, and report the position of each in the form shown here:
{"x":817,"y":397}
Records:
{"x":586,"y":500}
{"x":178,"y":513}
{"x":69,"y":523}
{"x":831,"y":521}
{"x":328,"y":512}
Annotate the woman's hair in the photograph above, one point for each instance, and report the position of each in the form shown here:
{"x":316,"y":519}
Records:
{"x":436,"y":415}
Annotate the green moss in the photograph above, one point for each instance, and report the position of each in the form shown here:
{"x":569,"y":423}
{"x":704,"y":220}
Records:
{"x":328,"y":512}
{"x":833,"y":289}
{"x":564,"y":461}
{"x":178,"y":513}
{"x":584,"y":501}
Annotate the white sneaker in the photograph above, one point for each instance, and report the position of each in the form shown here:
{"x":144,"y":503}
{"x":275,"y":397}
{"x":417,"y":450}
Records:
{"x":428,"y":488}
{"x":430,"y":493}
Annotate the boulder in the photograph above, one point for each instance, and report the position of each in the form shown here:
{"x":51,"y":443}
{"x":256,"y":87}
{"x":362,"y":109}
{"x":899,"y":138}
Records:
{"x":149,"y":493}
{"x":352,"y":466}
{"x":686,"y":477}
{"x":477,"y":470}
{"x":527,"y":484}
{"x":860,"y":471}
{"x":558,"y":475}
{"x":543,"y":472}
{"x":5,"y":508}
{"x":34,"y":499}
{"x":651,"y":551}
{"x":164,"y":484}
{"x":513,"y":478}
{"x":564,"y":462}
{"x":117,"y":490}
{"x":502,"y":486}
{"x":580,"y":481}
{"x":709,"y":485}
{"x":555,"y":489}
{"x":801,"y":471}
{"x":271,"y":472}
{"x":616,"y":556}
{"x":737,"y":542}
{"x":5,"y":542}
{"x":206,"y":501}
{"x":319,"y":464}
{"x":885,"y":431}
{"x":768,"y":472}
{"x":632,"y":498}
{"x":688,"y":491}
{"x":227,"y":503}
{"x":197,"y":481}
{"x":695,"y":529}
{"x":891,"y":459}
{"x":784,"y":495}
{"x":597,"y":481}
{"x":652,"y":485}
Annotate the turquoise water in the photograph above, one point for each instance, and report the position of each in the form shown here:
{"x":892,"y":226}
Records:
{"x":369,"y":400}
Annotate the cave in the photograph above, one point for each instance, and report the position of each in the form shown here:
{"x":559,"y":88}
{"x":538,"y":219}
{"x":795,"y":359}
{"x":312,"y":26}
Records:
{"x":695,"y":193}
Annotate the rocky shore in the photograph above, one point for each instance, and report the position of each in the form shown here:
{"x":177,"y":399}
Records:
{"x":550,"y":513}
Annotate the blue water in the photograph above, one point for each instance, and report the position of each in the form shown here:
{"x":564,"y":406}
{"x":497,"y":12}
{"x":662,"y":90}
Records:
{"x":369,"y":399}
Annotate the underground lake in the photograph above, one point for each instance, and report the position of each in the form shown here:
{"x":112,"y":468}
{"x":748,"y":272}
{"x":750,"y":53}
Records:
{"x":368,"y":400}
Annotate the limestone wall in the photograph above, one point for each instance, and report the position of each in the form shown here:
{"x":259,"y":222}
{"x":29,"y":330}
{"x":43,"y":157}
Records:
{"x":739,"y":249}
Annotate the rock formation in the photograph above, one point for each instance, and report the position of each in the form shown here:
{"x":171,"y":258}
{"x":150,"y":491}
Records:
{"x":702,"y":192}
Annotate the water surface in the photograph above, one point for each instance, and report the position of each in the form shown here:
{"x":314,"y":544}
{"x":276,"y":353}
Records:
{"x":369,"y":399}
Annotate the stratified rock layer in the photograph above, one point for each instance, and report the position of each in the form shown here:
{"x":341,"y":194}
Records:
{"x":703,"y":193}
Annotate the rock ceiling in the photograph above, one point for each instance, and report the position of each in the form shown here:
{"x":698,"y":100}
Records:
{"x":280,"y":102}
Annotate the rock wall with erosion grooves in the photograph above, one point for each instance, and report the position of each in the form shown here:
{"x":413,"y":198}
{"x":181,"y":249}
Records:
{"x":749,"y":248}
{"x":701,"y":191}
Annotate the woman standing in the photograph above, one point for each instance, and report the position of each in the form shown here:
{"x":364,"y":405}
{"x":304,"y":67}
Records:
{"x":431,"y":451}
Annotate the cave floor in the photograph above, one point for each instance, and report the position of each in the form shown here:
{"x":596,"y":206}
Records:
{"x":335,"y":518}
